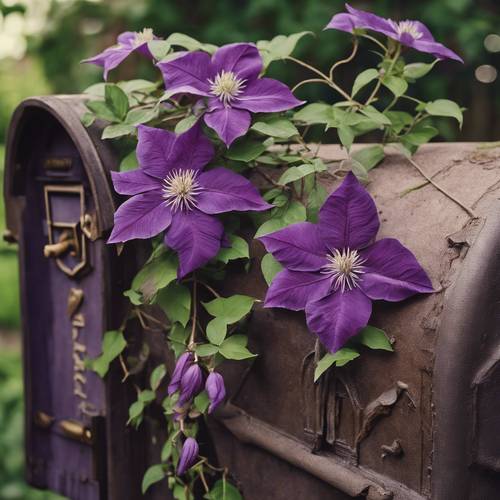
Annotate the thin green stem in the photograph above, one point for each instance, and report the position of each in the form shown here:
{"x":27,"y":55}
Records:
{"x":374,"y":40}
{"x":381,"y":77}
{"x":346,"y":60}
{"x":310,"y":80}
{"x":191,"y":344}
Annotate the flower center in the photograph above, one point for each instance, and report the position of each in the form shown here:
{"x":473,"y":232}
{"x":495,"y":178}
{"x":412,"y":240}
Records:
{"x":226,"y":86}
{"x":144,"y":36}
{"x":180,"y":189}
{"x":409,"y":27}
{"x":345,"y":268}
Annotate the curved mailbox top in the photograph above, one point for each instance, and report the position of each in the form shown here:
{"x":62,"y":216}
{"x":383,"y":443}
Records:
{"x":28,"y":122}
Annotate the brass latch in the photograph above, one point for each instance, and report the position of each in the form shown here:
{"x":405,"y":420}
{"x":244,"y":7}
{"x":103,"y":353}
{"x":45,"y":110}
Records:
{"x":66,"y":242}
{"x":75,"y":430}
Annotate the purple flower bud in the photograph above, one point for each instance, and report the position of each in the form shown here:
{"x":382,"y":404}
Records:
{"x":183,"y":363}
{"x":191,"y":384}
{"x":215,"y":389}
{"x":189,"y":454}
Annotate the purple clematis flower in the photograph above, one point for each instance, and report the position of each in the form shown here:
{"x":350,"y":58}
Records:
{"x":171,"y":193}
{"x":230,"y":80}
{"x":183,"y":363}
{"x":128,"y":42}
{"x":410,"y":33}
{"x":216,"y":390}
{"x":190,"y":385}
{"x":189,"y":454}
{"x":334,"y":270}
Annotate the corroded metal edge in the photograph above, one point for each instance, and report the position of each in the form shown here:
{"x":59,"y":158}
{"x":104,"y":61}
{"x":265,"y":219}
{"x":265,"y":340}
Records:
{"x":353,"y":481}
{"x":465,"y":325}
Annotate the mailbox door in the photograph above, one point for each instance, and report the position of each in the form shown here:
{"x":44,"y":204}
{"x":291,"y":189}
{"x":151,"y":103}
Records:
{"x":63,"y":316}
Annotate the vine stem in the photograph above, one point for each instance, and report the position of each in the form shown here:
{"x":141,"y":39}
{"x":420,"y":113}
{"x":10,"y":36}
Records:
{"x":429,"y":179}
{"x":374,"y":40}
{"x":381,"y":77}
{"x":324,"y":77}
{"x":193,"y":317}
{"x":310,"y":80}
{"x":346,"y":60}
{"x":210,"y":289}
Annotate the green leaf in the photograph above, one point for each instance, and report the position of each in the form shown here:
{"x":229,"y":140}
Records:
{"x":117,"y":130}
{"x":374,"y":338}
{"x":157,"y":376}
{"x":237,"y":250}
{"x":422,"y":133}
{"x":146,"y":396}
{"x":159,"y":48}
{"x":113,"y":344}
{"x":279,"y":47}
{"x":129,"y":162}
{"x":137,"y":85}
{"x":375,"y":115}
{"x":189,"y":43}
{"x":135,"y":413}
{"x":201,"y":402}
{"x":204,"y":350}
{"x":116,"y":100}
{"x":175,"y":300}
{"x":340,"y":358}
{"x":87,"y":119}
{"x":140,"y":115}
{"x":166,"y":451}
{"x":101,"y":110}
{"x":399,"y":120}
{"x":185,"y":124}
{"x":270,"y":268}
{"x":97,"y":89}
{"x":398,"y":86}
{"x":417,"y":70}
{"x":364,"y":78}
{"x":153,"y":475}
{"x":134,"y":297}
{"x":315,"y":113}
{"x":370,"y":156}
{"x":230,"y":309}
{"x":346,"y":136}
{"x":276,"y":127}
{"x":157,"y":273}
{"x":232,"y":348}
{"x":246,"y":150}
{"x":178,"y":336}
{"x":293,"y":174}
{"x":315,"y":200}
{"x":293,"y":212}
{"x":223,"y":490}
{"x":216,"y":330}
{"x":445,"y":107}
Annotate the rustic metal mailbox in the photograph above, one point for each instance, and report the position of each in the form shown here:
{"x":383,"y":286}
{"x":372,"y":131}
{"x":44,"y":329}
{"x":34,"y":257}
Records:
{"x":422,"y":423}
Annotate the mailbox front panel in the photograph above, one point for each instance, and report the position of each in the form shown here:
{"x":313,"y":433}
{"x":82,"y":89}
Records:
{"x":63,"y":315}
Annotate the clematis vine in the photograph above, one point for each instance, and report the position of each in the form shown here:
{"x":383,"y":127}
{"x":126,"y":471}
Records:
{"x":413,"y":34}
{"x":230,"y":82}
{"x":334,"y":269}
{"x":170,"y":192}
{"x":128,"y":42}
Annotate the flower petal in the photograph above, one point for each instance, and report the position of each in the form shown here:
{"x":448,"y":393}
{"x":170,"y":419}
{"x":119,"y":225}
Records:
{"x":229,"y":123}
{"x":342,"y":22}
{"x":348,"y":218}
{"x":187,"y":74}
{"x":243,"y":59}
{"x":299,"y":247}
{"x":267,"y":95}
{"x":127,"y":38}
{"x":338,"y":317}
{"x":134,"y":182}
{"x":196,"y":237}
{"x":225,"y":191}
{"x":294,"y":289}
{"x":142,"y":216}
{"x":436,"y":49}
{"x":110,"y":58}
{"x":371,"y":21}
{"x":392,"y":272}
{"x":160,"y":151}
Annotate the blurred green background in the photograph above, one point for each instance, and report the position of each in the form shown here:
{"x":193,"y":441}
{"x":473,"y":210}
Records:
{"x":42,"y":42}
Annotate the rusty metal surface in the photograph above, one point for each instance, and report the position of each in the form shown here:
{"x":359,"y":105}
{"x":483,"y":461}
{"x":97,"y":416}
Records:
{"x":419,"y":423}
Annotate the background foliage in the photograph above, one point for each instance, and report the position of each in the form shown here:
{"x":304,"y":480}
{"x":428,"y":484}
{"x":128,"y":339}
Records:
{"x":54,"y":35}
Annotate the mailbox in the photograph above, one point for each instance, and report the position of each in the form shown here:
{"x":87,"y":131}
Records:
{"x":419,"y":423}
